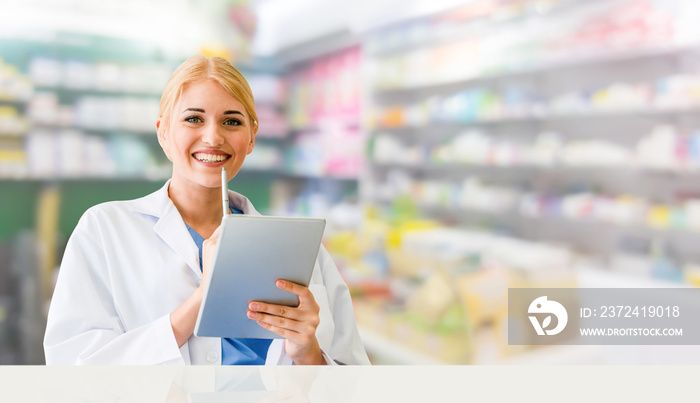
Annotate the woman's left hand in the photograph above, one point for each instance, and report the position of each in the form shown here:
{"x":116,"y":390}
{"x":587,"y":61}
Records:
{"x":297,"y":325}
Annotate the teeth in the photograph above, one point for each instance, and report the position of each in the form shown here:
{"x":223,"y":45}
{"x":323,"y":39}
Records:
{"x":210,"y":157}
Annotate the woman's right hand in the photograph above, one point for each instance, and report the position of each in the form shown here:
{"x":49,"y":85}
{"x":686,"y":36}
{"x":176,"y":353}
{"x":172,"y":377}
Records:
{"x":183,"y":319}
{"x":208,"y":248}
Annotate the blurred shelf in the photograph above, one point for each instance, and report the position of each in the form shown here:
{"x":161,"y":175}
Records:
{"x":555,"y":63}
{"x":85,"y":179}
{"x":431,"y":36}
{"x":391,"y":351}
{"x":593,"y":277}
{"x":298,"y":175}
{"x":137,"y":132}
{"x":271,"y":138}
{"x":276,"y":105}
{"x":17,"y":103}
{"x":72,"y":92}
{"x":547,"y":117}
{"x":291,"y":56}
{"x":321,"y":176}
{"x":636,"y":229}
{"x":332,"y":124}
{"x":557,"y":170}
{"x":514,"y":216}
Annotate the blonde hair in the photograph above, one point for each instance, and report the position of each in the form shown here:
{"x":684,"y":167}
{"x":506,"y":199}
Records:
{"x":199,"y":67}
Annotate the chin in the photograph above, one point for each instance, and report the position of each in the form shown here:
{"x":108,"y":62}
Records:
{"x":209,"y":183}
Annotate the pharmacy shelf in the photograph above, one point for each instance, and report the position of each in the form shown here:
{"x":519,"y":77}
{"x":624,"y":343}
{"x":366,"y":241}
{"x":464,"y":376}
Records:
{"x":296,"y":175}
{"x":321,"y":176}
{"x":409,"y":40}
{"x":271,"y":138}
{"x":389,"y":351}
{"x":5,"y":135}
{"x":514,"y":217}
{"x":511,"y":69}
{"x":597,"y":277}
{"x":17,"y":103}
{"x":85,"y":179}
{"x":528,"y":170}
{"x":344,"y":123}
{"x":504,"y":71}
{"x":650,"y":113}
{"x":115,"y":130}
{"x":76,"y":92}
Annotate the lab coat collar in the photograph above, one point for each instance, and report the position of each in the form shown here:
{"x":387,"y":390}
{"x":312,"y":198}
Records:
{"x":172,"y":229}
{"x":158,"y":202}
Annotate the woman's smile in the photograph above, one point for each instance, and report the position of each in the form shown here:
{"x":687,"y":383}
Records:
{"x":212,"y":158}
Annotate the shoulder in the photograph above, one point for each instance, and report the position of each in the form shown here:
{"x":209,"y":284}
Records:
{"x":119,"y":213}
{"x":112,"y":210}
{"x":154,"y":203}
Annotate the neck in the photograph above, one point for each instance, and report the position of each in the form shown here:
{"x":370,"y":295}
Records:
{"x":199,"y":206}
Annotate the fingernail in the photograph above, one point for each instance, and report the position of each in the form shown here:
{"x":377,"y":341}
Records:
{"x":252,"y":315}
{"x":254,"y":306}
{"x":280,"y":284}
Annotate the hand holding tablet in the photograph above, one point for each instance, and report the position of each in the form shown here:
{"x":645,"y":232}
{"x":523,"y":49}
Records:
{"x":251,"y":254}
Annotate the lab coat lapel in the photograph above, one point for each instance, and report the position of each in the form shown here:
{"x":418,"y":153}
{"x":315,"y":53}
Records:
{"x":172,"y":230}
{"x":170,"y":227}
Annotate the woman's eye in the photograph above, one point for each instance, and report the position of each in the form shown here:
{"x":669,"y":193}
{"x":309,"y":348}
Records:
{"x":193,"y":119}
{"x":233,"y":122}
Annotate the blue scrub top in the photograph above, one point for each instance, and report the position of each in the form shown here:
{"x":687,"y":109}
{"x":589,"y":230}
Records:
{"x":236,"y":351}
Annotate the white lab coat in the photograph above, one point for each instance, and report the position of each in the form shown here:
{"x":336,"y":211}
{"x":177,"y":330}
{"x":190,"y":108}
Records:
{"x":129,"y":264}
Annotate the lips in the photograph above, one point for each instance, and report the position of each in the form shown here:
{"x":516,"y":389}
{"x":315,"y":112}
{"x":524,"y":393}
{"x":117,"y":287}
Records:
{"x":211,"y":157}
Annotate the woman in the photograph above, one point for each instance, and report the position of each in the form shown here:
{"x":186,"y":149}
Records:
{"x":130,"y":283}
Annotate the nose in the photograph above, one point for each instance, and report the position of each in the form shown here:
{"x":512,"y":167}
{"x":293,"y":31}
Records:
{"x":211,"y":135}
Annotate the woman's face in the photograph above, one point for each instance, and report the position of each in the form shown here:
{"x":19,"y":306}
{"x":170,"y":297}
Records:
{"x":208,"y":129}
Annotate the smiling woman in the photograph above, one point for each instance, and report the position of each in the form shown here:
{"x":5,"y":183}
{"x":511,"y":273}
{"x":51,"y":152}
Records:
{"x":131,"y":280}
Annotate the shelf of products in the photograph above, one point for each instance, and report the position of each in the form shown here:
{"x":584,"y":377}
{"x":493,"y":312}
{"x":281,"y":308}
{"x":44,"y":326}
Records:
{"x":324,"y":144}
{"x":592,"y":30}
{"x":570,"y":130}
{"x":666,"y":148}
{"x":676,"y":94}
{"x":435,"y":290}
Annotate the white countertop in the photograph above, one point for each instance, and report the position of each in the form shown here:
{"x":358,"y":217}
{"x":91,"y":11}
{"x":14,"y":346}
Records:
{"x":345,"y":384}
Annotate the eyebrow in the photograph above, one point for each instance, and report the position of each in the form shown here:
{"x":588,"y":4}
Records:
{"x":202,"y":111}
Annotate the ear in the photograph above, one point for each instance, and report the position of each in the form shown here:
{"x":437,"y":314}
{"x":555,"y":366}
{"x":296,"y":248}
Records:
{"x":161,"y":129}
{"x":251,"y":145}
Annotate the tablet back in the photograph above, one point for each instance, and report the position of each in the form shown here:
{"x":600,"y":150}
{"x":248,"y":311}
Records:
{"x":251,"y":254}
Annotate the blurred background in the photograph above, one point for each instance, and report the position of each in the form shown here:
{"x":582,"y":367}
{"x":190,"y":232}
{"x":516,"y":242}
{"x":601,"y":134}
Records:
{"x":456,"y":148}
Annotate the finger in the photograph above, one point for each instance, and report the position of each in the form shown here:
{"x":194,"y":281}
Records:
{"x":305,"y":295}
{"x":298,"y":338}
{"x":277,"y":310}
{"x":279,"y":321}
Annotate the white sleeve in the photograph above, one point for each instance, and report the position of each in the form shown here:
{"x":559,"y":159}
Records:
{"x":83,"y":325}
{"x":346,"y":347}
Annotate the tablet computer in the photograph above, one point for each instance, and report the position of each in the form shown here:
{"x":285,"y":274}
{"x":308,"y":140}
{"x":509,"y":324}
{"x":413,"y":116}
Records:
{"x":251,"y":254}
